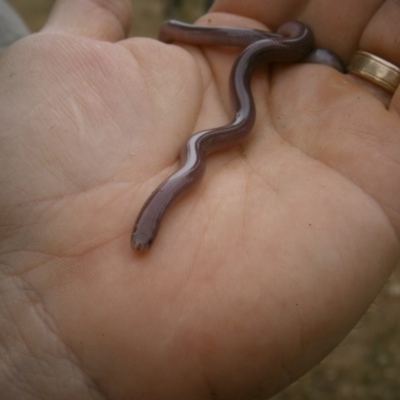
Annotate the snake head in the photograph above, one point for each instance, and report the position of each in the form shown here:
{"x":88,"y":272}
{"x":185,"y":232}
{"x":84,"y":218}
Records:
{"x":141,"y":242}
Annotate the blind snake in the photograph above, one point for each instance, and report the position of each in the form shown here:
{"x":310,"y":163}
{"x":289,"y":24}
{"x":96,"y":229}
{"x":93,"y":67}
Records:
{"x":292,"y":42}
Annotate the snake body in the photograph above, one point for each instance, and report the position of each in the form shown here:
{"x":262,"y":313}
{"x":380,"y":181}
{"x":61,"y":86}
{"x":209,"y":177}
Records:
{"x":292,"y":42}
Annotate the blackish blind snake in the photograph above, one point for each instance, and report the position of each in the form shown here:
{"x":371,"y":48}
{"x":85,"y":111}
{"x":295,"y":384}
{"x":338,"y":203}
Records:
{"x":292,"y":42}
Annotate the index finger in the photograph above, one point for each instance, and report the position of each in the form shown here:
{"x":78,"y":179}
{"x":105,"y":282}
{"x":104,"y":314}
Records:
{"x":97,"y":19}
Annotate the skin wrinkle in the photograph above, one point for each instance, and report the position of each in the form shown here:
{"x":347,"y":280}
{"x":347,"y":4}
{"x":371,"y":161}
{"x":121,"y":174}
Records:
{"x":373,"y":198}
{"x":123,"y":87}
{"x":58,"y":197}
{"x":93,"y":60}
{"x":198,"y":56}
{"x":36,"y":303}
{"x":213,"y":213}
{"x":348,"y":177}
{"x":201,"y":54}
{"x":213,"y":78}
{"x":151,"y":91}
{"x":8,"y":271}
{"x":266,"y":182}
{"x":89,"y":250}
{"x":277,"y":191}
{"x":173,"y":153}
{"x":246,"y":206}
{"x":113,"y":7}
{"x":145,"y":76}
{"x":51,"y":326}
{"x":115,"y":17}
{"x":197,"y":252}
{"x":262,"y":174}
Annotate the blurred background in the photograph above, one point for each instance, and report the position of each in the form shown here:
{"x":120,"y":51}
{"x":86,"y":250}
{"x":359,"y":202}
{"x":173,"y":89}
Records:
{"x":148,"y":14}
{"x":366,"y":366}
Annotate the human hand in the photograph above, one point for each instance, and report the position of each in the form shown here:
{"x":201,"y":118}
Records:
{"x":256,"y":274}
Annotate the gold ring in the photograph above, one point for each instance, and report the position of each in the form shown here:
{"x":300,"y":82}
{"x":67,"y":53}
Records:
{"x":376,"y":70}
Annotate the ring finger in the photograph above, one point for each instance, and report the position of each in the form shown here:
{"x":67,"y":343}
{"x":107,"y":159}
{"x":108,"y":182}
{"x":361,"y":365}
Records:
{"x":381,"y":38}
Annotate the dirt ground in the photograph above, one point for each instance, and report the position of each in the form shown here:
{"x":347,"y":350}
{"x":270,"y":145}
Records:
{"x":367,"y":364}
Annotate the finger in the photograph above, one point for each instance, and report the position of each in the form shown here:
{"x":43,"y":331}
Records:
{"x":271,"y":13}
{"x":382,"y":35}
{"x":98,"y":19}
{"x":382,"y":38}
{"x":338,"y":25}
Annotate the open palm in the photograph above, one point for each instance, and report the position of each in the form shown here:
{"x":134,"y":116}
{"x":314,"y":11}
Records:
{"x":257,"y":273}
